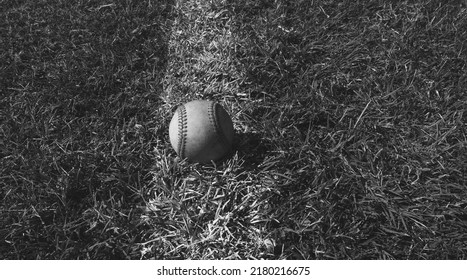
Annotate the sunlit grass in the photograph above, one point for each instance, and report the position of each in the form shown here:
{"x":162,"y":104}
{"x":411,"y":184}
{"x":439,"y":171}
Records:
{"x":349,"y":118}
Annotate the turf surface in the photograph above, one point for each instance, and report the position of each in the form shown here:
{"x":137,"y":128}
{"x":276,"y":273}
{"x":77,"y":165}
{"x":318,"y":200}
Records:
{"x":349,"y":118}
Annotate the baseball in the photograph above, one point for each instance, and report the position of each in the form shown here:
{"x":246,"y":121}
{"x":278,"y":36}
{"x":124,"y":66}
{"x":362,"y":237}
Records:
{"x":201,"y":131}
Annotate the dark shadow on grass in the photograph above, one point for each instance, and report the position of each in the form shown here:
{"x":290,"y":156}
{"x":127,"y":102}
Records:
{"x":315,"y":66}
{"x":285,"y":53}
{"x":252,"y":148}
{"x":80,"y":85}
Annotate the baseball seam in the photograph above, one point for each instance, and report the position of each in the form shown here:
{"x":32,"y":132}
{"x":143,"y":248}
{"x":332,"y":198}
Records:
{"x":182,"y":130}
{"x":214,"y":116}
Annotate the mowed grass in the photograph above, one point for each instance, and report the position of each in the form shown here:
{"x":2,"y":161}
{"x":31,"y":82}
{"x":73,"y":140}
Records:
{"x":349,"y":116}
{"x":80,"y":112}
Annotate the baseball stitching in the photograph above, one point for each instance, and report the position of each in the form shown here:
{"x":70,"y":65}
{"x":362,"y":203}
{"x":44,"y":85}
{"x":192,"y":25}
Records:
{"x":214,"y":116}
{"x":182,"y":130}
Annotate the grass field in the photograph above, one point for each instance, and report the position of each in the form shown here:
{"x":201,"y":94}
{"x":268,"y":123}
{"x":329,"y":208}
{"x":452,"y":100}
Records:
{"x":349,"y":117}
